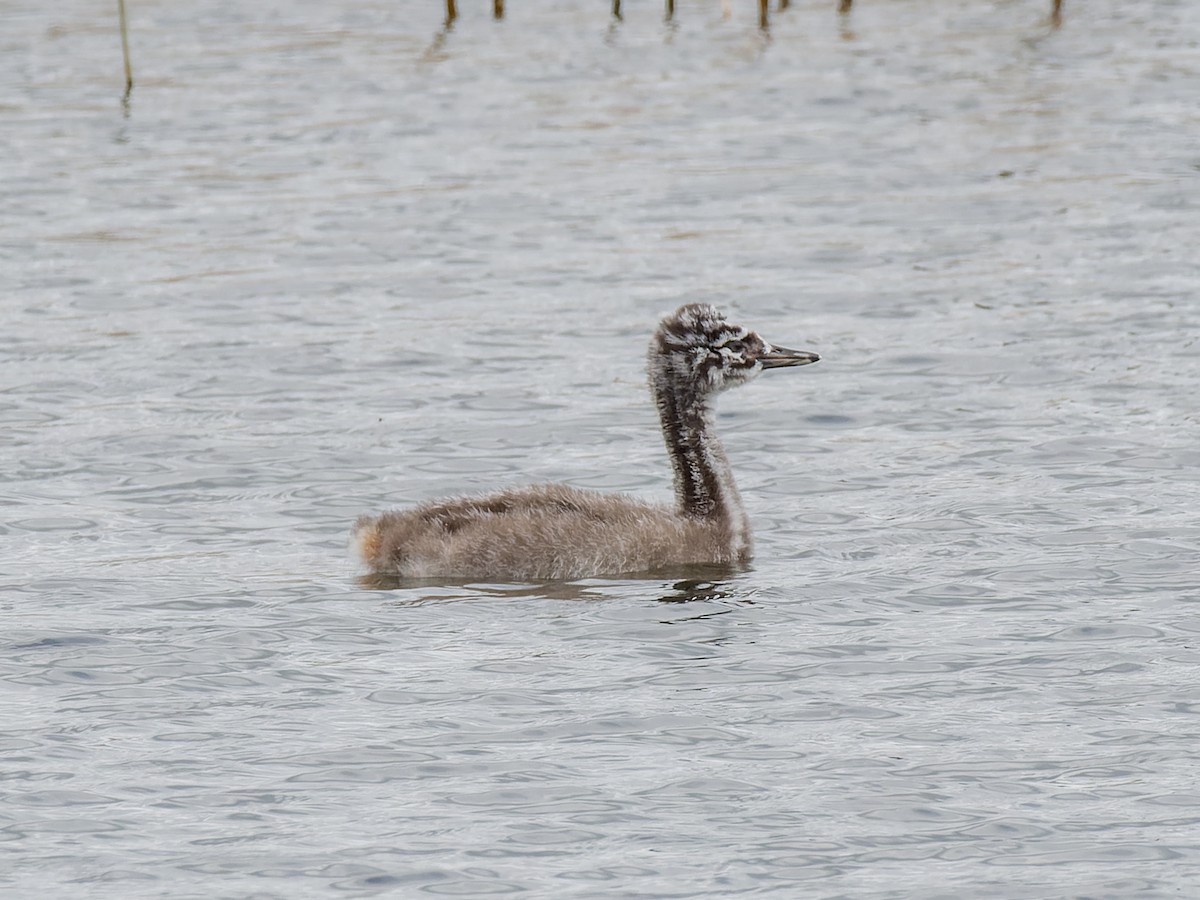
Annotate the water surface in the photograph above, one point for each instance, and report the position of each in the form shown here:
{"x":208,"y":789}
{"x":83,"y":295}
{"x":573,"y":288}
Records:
{"x":333,"y":258}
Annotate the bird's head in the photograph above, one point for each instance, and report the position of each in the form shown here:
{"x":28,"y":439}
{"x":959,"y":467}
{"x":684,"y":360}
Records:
{"x":697,"y":346}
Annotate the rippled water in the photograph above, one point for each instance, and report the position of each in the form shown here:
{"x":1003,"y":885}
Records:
{"x":336,"y":257}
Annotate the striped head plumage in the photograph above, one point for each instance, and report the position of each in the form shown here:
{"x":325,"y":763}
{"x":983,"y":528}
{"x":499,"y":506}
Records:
{"x":697,"y":348}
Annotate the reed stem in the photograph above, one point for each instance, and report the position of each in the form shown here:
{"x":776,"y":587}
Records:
{"x":125,"y":47}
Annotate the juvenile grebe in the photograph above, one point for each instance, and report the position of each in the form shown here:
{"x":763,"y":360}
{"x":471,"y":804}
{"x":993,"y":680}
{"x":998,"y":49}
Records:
{"x":552,"y":532}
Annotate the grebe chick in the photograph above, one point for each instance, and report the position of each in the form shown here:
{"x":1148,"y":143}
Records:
{"x":552,"y":532}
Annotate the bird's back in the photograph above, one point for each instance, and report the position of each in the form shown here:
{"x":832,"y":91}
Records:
{"x":546,"y":532}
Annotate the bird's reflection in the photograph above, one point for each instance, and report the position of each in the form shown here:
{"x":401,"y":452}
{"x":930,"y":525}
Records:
{"x":702,"y":583}
{"x":691,"y":590}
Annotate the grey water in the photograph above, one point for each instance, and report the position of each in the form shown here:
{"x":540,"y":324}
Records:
{"x":336,"y":257}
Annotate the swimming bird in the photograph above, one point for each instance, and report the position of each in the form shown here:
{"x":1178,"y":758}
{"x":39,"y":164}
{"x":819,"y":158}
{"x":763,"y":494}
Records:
{"x":553,"y":532}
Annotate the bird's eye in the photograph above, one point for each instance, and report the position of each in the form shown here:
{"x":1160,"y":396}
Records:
{"x":737,"y":347}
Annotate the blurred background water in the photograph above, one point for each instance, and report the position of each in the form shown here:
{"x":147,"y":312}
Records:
{"x":337,"y":257}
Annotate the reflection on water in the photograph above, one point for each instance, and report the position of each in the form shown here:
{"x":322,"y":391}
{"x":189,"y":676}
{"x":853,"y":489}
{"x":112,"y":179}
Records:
{"x":702,"y":584}
{"x":691,"y":590}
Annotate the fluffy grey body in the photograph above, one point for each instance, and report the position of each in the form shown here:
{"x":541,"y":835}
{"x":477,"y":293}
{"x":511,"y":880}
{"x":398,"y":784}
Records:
{"x":553,"y":532}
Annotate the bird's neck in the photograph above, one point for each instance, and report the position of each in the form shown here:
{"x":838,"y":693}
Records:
{"x":704,"y":485}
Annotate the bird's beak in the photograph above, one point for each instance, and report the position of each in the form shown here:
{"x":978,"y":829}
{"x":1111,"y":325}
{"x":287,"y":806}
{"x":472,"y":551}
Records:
{"x":778,"y":357}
